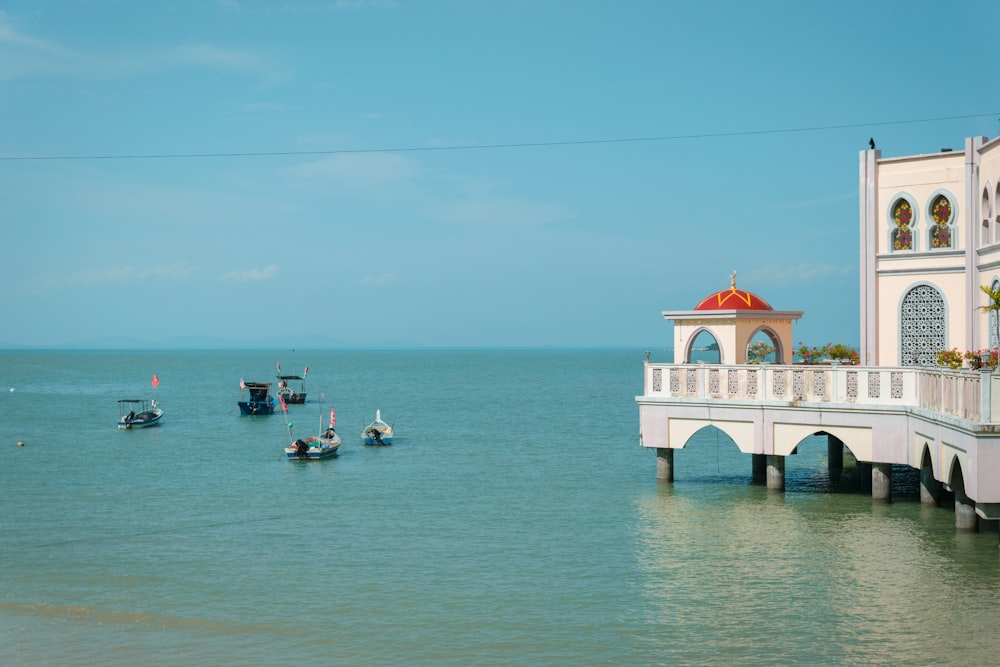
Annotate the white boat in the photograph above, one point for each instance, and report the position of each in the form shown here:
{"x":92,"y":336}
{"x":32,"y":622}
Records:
{"x":138,"y":413}
{"x":314,"y":447}
{"x":377,"y":432}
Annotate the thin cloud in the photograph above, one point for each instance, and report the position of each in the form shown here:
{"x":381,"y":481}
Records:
{"x":369,"y":171}
{"x":778,"y":274}
{"x":202,"y":55}
{"x":502,"y":211}
{"x":23,"y":55}
{"x":378,"y":281}
{"x":117,"y":274}
{"x":303,"y":8}
{"x":251,"y":275}
{"x":809,"y":203}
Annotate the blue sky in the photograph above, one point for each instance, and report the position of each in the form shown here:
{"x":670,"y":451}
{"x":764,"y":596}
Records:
{"x":455,"y":173}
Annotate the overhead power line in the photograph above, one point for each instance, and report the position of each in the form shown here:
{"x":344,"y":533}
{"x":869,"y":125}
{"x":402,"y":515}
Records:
{"x":469,"y":147}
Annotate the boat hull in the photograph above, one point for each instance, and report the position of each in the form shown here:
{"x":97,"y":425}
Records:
{"x":312,"y":454}
{"x":256,"y":407}
{"x":294,"y":397}
{"x":142,"y":420}
{"x":313,"y":449}
{"x":378,"y":433}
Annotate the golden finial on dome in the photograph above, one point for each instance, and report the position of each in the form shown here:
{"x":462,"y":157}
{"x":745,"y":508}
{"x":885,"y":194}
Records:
{"x":732,"y":279}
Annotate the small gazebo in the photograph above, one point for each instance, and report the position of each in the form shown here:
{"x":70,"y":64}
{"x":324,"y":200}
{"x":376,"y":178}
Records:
{"x":733,"y":317}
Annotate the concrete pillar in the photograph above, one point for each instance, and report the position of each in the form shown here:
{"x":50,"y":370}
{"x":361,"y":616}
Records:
{"x":882,"y":482}
{"x":966,"y":520}
{"x":834,"y":453}
{"x":775,"y":473}
{"x":759,"y":463}
{"x":664,"y":464}
{"x":930,"y":488}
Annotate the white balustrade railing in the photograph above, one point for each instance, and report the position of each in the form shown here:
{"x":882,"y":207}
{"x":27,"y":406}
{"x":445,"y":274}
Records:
{"x":957,"y":393}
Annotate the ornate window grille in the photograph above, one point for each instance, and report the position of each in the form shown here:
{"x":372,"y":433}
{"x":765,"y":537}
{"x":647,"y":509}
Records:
{"x":922,"y":326}
{"x":874,"y":385}
{"x":798,"y":384}
{"x":896,"y":384}
{"x":819,"y":383}
{"x":779,"y":383}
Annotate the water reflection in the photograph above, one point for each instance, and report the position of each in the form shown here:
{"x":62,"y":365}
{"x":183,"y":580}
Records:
{"x":818,"y":574}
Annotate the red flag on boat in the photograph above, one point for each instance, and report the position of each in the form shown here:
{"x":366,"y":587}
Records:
{"x":156,"y":381}
{"x":306,"y":371}
{"x":284,"y":406}
{"x":243,"y":385}
{"x":333,"y":420}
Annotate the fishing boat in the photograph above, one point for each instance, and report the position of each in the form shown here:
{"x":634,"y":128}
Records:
{"x":290,"y":394}
{"x":377,"y":432}
{"x":314,"y":447}
{"x":259,"y":402}
{"x":138,"y":413}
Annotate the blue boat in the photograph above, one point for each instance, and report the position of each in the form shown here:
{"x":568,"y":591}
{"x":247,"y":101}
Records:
{"x":260,"y":400}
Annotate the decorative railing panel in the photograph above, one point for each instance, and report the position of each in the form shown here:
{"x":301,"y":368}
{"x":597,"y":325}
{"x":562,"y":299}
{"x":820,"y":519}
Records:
{"x":956,"y":393}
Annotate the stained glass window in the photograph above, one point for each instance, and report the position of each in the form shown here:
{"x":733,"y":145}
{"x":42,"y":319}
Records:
{"x":941,"y":229}
{"x":902,"y":235}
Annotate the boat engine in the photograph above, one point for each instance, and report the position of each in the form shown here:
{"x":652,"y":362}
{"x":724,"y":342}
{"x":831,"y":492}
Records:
{"x":301,"y":448}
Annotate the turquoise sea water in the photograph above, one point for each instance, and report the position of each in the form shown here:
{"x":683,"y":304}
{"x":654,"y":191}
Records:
{"x":515,"y":520}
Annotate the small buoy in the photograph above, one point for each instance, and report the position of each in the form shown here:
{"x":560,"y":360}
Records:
{"x":20,"y":444}
{"x":12,"y":390}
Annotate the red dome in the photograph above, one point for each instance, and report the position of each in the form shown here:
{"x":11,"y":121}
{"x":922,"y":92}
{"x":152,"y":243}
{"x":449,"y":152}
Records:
{"x":733,"y":299}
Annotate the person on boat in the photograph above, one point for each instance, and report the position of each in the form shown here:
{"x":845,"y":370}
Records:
{"x":329,"y":433}
{"x":130,"y":417}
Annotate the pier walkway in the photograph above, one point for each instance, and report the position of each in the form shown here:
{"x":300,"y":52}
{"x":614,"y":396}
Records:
{"x":944,"y":423}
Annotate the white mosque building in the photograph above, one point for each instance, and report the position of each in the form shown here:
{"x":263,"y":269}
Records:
{"x":929,"y":242}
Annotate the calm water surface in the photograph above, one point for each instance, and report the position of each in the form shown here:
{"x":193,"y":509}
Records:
{"x":515,"y":521}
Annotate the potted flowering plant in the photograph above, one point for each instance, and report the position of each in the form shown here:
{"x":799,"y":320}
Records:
{"x":811,"y":355}
{"x":951,"y":358}
{"x":979,"y":359}
{"x":845,"y":354}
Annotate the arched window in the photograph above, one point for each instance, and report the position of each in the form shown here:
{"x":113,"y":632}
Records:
{"x":984,"y":206}
{"x":902,"y":221}
{"x":941,"y":216}
{"x":996,"y":210}
{"x":922,"y":326}
{"x":703,"y":347}
{"x":764,"y":347}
